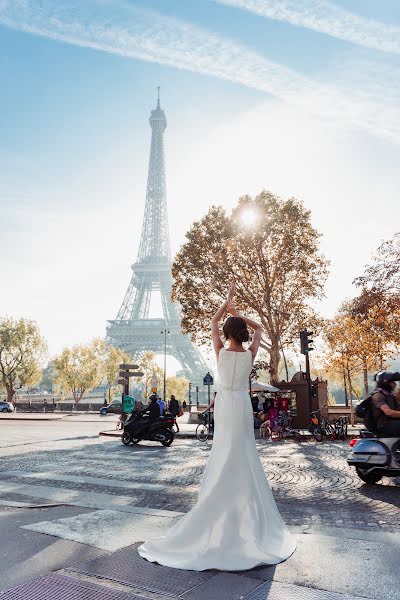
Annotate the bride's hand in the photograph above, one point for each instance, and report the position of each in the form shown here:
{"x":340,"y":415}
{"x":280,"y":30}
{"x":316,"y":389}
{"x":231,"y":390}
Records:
{"x":231,"y":294}
{"x":230,"y":308}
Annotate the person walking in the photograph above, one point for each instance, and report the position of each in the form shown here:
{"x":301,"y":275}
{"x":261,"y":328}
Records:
{"x":174,"y":409}
{"x":162,"y":405}
{"x":235,"y":524}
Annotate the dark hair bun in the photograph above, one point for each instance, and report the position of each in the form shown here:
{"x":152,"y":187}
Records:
{"x":243,"y":335}
{"x":236,"y":328}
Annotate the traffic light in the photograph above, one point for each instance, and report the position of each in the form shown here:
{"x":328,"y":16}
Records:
{"x":313,"y":391}
{"x":306,"y":341}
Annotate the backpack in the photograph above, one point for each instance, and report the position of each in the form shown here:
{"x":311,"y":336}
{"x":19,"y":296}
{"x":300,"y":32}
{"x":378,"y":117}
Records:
{"x":364,"y":411}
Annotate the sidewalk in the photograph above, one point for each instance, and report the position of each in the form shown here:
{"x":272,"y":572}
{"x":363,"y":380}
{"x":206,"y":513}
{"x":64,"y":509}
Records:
{"x":329,"y":564}
{"x":16,"y":416}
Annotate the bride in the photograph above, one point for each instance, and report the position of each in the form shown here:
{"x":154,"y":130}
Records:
{"x":235,"y":524}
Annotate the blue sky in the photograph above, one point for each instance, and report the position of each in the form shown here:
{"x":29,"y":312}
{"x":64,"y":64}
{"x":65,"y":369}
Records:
{"x":299,"y":97}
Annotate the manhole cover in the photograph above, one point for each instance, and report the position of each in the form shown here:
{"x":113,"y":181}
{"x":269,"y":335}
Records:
{"x":127,"y":567}
{"x":60,"y":587}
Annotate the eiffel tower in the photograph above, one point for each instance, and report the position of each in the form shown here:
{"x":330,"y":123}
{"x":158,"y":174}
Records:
{"x":133,"y":330}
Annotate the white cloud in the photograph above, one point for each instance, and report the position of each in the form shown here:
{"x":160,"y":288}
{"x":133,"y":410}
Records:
{"x":120,"y":28}
{"x":326,"y":17}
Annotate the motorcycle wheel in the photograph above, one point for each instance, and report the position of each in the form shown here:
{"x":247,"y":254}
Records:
{"x":372,"y":477}
{"x":169,"y":438}
{"x":126,"y":438}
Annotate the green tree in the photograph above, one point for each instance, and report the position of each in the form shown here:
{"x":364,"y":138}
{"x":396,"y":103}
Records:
{"x":47,"y":379}
{"x":110,"y":358}
{"x":177,"y":386}
{"x":150,"y":369}
{"x":79,"y":370}
{"x":276,"y":266}
{"x":22,"y":350}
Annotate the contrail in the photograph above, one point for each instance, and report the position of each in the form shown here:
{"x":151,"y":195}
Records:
{"x":326,"y":17}
{"x":120,"y":28}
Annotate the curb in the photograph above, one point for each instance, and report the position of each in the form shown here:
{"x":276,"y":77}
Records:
{"x":31,"y":419}
{"x":117,"y":434}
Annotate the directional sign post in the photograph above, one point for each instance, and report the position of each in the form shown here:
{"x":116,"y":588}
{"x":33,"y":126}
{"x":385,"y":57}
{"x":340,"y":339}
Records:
{"x":208,"y":381}
{"x":126,"y":372}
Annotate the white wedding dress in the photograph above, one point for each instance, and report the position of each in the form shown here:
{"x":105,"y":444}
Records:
{"x":235,"y":524}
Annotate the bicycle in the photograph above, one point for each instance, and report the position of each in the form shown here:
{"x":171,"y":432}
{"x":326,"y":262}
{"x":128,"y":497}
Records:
{"x":321,"y":427}
{"x":286,"y":430}
{"x":340,"y":425}
{"x":206,"y":428}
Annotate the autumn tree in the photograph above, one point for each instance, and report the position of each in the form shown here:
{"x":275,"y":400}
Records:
{"x":22,"y":350}
{"x":379,"y":299}
{"x":340,"y":359}
{"x":382,"y":275}
{"x":276,"y":266}
{"x":78,"y":370}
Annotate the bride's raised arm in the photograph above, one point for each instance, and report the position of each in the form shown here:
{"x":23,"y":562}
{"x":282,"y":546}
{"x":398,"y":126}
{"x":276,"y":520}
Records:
{"x":216,"y":339}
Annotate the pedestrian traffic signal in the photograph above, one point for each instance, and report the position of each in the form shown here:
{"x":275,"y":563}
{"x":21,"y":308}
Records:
{"x":314,"y":391}
{"x":306,"y":341}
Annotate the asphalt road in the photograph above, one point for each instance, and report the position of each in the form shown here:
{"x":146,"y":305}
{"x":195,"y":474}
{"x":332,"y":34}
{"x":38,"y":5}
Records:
{"x":66,"y":463}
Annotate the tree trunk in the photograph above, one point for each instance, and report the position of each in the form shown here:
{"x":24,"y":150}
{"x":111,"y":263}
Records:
{"x":274,"y":357}
{"x":10,"y":393}
{"x":351,"y":398}
{"x":365,"y":374}
{"x":285,"y":363}
{"x":346,"y":396}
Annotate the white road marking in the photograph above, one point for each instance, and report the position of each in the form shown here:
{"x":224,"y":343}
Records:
{"x":114,"y":483}
{"x":105,"y":529}
{"x":84,"y":499}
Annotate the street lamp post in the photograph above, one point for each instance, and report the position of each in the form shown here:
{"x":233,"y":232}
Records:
{"x":165,"y":332}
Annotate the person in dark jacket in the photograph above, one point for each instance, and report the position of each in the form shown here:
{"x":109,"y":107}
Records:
{"x":174,"y":409}
{"x":154,"y":409}
{"x":386,"y":405}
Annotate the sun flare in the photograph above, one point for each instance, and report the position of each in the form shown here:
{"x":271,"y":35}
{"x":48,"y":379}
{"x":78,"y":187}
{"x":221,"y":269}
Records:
{"x":248,"y":217}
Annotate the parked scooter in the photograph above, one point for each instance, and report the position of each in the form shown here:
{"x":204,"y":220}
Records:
{"x":373,"y":457}
{"x":138,"y":427}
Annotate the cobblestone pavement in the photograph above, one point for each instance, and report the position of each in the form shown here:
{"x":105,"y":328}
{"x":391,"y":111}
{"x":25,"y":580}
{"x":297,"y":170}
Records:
{"x":312,"y":483}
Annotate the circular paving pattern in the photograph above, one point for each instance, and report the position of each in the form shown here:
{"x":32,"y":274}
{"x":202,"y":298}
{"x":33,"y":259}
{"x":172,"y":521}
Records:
{"x":312,"y":483}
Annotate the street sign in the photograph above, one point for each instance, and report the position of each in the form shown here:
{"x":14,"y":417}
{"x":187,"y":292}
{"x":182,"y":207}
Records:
{"x":208,"y":380}
{"x":126,"y":366}
{"x":129,"y":404}
{"x":121,"y":381}
{"x":131,"y":374}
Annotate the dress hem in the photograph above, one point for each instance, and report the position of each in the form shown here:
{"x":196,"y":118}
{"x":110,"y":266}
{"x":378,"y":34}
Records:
{"x":186,"y":567}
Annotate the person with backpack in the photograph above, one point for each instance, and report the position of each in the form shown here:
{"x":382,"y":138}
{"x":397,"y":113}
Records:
{"x":385,"y":405}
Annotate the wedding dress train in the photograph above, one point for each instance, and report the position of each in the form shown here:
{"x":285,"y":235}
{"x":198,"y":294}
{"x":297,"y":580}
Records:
{"x":235,"y":524}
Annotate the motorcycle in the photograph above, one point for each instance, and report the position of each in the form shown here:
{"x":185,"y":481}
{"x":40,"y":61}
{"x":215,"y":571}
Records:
{"x":373,"y":457}
{"x":138,"y":427}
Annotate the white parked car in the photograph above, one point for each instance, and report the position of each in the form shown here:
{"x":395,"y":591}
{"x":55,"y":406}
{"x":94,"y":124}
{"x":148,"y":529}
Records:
{"x":6,"y":406}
